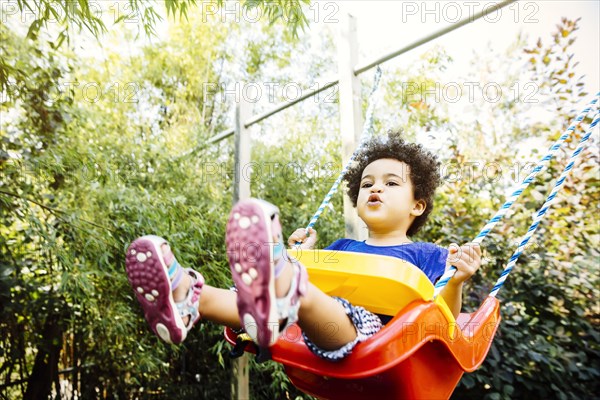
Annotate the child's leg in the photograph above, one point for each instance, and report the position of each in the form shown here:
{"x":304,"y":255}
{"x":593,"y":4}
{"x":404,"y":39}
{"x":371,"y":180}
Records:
{"x":216,"y":305}
{"x":273,"y":291}
{"x":174,"y":299}
{"x":219,"y":306}
{"x":320,"y":316}
{"x":324,"y":321}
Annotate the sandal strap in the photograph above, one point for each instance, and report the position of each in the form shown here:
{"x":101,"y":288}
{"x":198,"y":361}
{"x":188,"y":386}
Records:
{"x":178,"y":271}
{"x":280,"y":265}
{"x":189,"y":306}
{"x":288,"y":306}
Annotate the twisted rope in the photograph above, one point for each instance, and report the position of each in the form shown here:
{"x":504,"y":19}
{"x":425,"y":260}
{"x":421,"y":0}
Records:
{"x":443,"y":281}
{"x":366,"y":134}
{"x":542,"y":211}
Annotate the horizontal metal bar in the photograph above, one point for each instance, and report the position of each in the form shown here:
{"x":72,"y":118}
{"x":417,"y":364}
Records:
{"x":221,"y":136}
{"x":434,"y":35}
{"x":283,"y":106}
{"x":368,"y":66}
{"x":256,"y":119}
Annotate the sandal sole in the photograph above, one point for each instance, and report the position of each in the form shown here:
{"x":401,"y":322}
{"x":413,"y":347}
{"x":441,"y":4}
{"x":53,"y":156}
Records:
{"x":249,"y":251}
{"x":149,"y":278}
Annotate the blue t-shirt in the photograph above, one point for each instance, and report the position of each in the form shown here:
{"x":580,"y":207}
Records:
{"x":428,"y":257}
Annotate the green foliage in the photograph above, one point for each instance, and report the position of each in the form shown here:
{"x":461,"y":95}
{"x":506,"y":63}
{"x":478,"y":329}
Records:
{"x":63,"y":17}
{"x":82,"y":177}
{"x":547,"y":342}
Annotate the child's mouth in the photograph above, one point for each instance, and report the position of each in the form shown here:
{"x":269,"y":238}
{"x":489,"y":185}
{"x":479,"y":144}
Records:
{"x":374,"y":200}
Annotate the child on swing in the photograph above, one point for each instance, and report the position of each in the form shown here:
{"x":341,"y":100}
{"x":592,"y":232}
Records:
{"x":391,"y":184}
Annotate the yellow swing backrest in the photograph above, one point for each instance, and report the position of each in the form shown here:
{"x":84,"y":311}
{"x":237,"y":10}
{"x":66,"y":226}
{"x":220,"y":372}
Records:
{"x":381,"y":284}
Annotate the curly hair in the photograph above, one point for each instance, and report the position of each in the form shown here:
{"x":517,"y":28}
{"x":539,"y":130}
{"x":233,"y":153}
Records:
{"x":423,"y":166}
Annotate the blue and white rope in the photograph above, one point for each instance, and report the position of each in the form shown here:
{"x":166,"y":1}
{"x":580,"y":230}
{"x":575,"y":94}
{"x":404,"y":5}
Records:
{"x":366,"y":134}
{"x":542,"y":211}
{"x":443,"y":281}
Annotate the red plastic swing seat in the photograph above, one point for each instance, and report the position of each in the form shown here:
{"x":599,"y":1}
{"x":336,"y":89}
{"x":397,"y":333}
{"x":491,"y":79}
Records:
{"x":420,"y":354}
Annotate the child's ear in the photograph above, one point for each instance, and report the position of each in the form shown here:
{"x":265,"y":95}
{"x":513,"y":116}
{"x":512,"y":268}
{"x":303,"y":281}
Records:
{"x":419,"y":208}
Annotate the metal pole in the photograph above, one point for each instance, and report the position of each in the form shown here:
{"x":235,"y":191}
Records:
{"x":240,"y":381}
{"x":241,"y":188}
{"x":350,"y":112}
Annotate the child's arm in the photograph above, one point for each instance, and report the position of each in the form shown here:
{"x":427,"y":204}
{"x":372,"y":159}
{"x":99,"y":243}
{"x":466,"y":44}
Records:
{"x":467,"y":260}
{"x":307,"y":241}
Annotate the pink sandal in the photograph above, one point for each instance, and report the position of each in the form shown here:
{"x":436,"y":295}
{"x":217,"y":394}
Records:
{"x":256,"y":257}
{"x":153,"y":281}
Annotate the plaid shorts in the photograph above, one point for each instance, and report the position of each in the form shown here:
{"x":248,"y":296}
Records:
{"x":366,"y":323}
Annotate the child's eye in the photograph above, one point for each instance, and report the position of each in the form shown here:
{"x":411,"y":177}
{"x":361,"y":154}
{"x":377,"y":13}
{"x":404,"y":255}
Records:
{"x":392,"y":183}
{"x":366,"y":185}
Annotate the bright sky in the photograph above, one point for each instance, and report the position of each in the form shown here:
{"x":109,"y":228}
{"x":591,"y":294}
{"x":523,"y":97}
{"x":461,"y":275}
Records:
{"x":385,"y":26}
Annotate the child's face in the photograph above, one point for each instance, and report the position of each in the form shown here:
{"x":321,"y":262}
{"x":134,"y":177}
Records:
{"x":385,"y":199}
